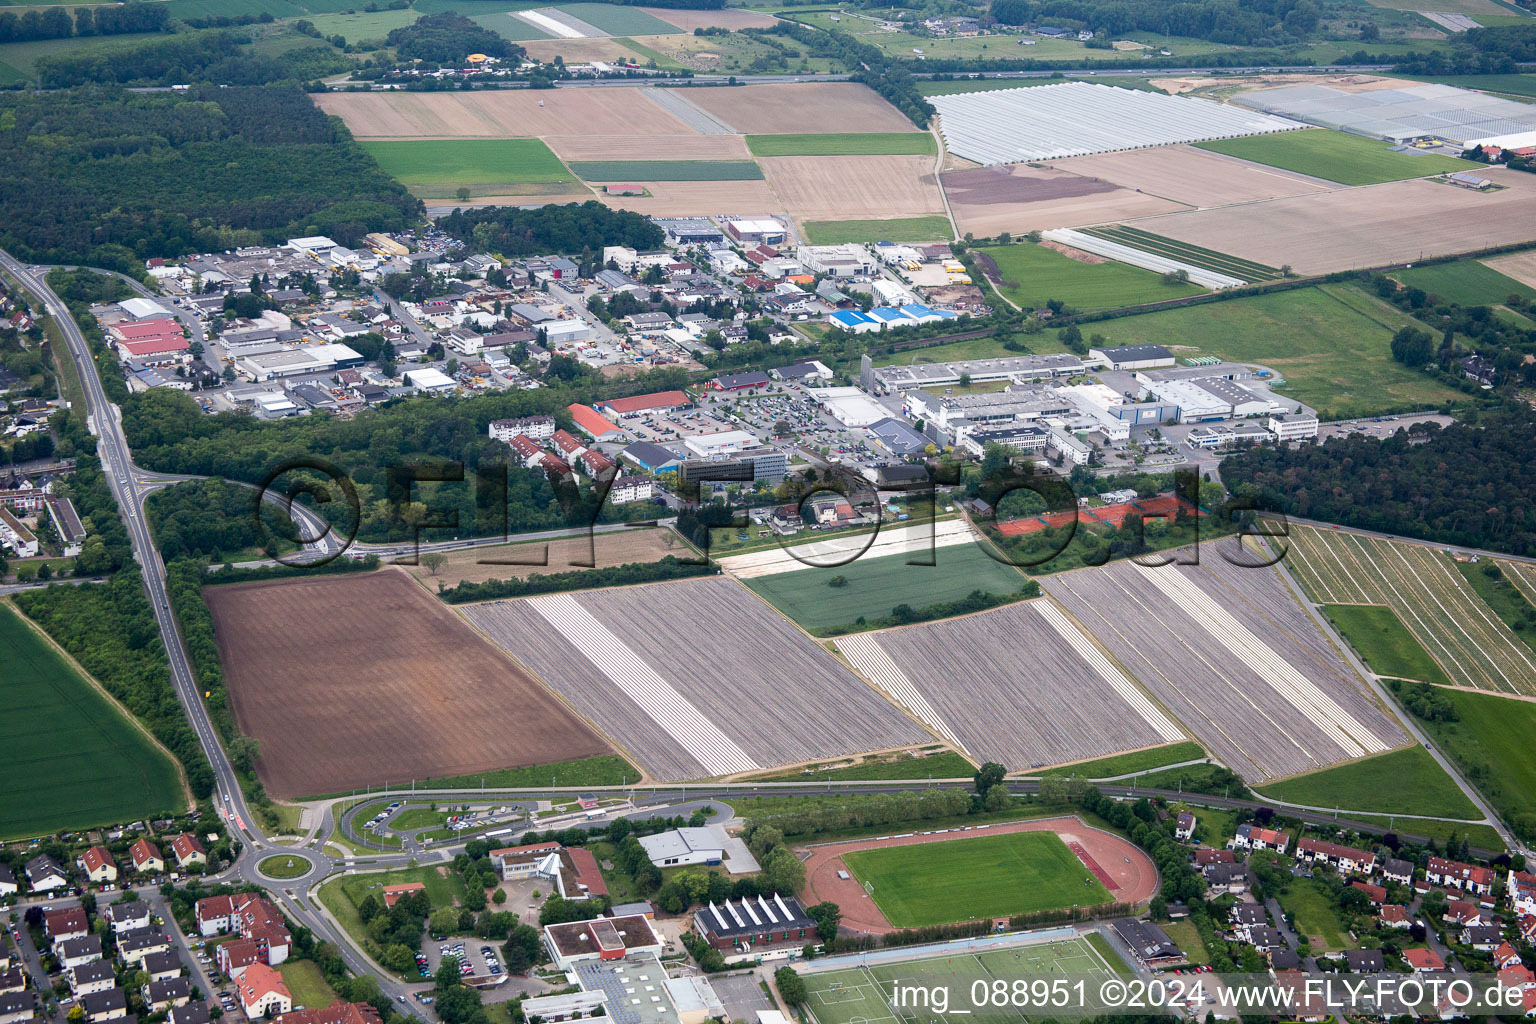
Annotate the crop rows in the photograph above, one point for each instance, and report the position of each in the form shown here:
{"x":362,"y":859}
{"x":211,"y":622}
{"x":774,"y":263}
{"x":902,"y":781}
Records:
{"x":695,"y":679}
{"x":1229,"y":651}
{"x":1209,"y":259}
{"x":1523,"y":576}
{"x":1421,"y":585}
{"x":965,"y":679}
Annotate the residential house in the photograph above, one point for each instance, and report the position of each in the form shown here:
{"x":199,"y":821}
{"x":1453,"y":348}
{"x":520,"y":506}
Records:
{"x":127,"y":916}
{"x":166,"y":993}
{"x":1375,"y":893}
{"x":1424,"y":961}
{"x":1505,"y":954}
{"x":134,"y":946}
{"x":1184,"y":826}
{"x":98,"y":865}
{"x":8,"y":886}
{"x":1394,"y":916}
{"x":1206,"y":856}
{"x":261,"y":992}
{"x":16,"y":1007}
{"x":337,"y":1013}
{"x":1468,"y":878}
{"x":1264,"y":937}
{"x":65,"y":923}
{"x":1346,"y":860}
{"x":1521,"y":889}
{"x":1396,"y":870}
{"x":192,"y":1013}
{"x":44,"y":874}
{"x":1252,"y":837}
{"x":78,"y":952}
{"x":1228,"y":878}
{"x":96,"y":976}
{"x":188,"y":851}
{"x":161,"y":965}
{"x":146,"y":857}
{"x":1485,"y":938}
{"x":103,"y":1006}
{"x":254,"y":917}
{"x":13,"y":979}
{"x":1462,"y":913}
{"x":1365,"y":961}
{"x":628,"y":489}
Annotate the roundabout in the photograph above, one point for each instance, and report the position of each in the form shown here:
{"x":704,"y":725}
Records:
{"x":285,"y":866}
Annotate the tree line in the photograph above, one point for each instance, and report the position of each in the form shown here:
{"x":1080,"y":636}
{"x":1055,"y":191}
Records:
{"x":56,"y":22}
{"x":1249,"y":23}
{"x":220,"y":57}
{"x":668,"y":568}
{"x":564,"y":228}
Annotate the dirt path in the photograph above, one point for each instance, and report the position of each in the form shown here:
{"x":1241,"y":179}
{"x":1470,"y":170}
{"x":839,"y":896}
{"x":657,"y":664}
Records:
{"x":1125,"y":870}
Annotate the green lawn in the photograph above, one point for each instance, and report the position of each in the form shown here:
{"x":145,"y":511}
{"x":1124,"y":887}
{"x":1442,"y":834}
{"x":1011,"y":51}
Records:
{"x":943,"y":765}
{"x":283,"y":866}
{"x":843,"y":144}
{"x":484,"y":166}
{"x":444,"y":885}
{"x":667,"y":170}
{"x":1466,"y":282}
{"x":1383,"y":643}
{"x":71,"y":758}
{"x":1335,"y":156}
{"x":1032,"y":275}
{"x":413,"y":818}
{"x":877,"y":585}
{"x":897,"y":229}
{"x":970,"y":348}
{"x":1187,"y":937}
{"x":988,"y":876}
{"x":1314,"y":915}
{"x":1332,"y":344}
{"x":306,"y":984}
{"x":1136,"y":761}
{"x":1407,"y":781}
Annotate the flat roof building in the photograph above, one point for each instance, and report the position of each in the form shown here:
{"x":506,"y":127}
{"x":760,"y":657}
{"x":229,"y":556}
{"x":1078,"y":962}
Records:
{"x":607,"y":938}
{"x":1133,"y":357}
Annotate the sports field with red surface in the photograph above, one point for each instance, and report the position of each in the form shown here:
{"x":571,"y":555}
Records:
{"x":1109,"y":515}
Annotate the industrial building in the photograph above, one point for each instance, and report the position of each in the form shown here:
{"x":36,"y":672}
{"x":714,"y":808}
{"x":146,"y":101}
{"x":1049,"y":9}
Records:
{"x":1132,"y":357}
{"x":572,"y":870}
{"x":717,"y":445}
{"x":758,"y":229}
{"x":889,"y":379}
{"x":848,"y":405}
{"x":754,"y":923}
{"x":1018,"y":404}
{"x":760,"y":464}
{"x":652,"y":458}
{"x":1293,"y":426}
{"x":897,"y":438}
{"x":308,"y":359}
{"x":1076,"y":118}
{"x":429,"y":379}
{"x":1409,"y":114}
{"x":1227,"y":435}
{"x":1022,"y":439}
{"x":846,"y":260}
{"x":1213,"y":398}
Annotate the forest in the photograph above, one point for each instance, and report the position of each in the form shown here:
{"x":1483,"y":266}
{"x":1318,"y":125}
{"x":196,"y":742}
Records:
{"x":1251,"y":23}
{"x":217,"y":57}
{"x":111,"y":630}
{"x":562,"y":228}
{"x":103,"y":176}
{"x":447,"y":38}
{"x":204,"y":519}
{"x":1468,"y":484}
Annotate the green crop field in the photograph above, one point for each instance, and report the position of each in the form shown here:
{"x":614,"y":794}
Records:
{"x":1184,"y":252}
{"x":1136,"y":761}
{"x":843,"y":144}
{"x":485,"y":166}
{"x":72,"y":759}
{"x":897,"y":229}
{"x":986,"y":876}
{"x":864,"y":995}
{"x":667,"y":170}
{"x":1514,"y":85}
{"x":1407,"y":781}
{"x":1332,"y":344}
{"x":1032,"y":275}
{"x":877,"y":585}
{"x":619,"y":20}
{"x":1378,"y":636}
{"x":1335,"y":156}
{"x":1465,"y":282}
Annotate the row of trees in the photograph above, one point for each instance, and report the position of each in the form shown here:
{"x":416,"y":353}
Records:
{"x":1250,"y":23}
{"x":56,"y":23}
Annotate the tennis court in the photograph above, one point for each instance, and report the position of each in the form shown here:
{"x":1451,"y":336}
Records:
{"x":865,"y":995}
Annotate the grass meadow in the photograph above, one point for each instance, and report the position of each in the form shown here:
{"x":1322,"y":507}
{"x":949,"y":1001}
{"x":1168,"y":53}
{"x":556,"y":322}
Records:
{"x":482,"y":165}
{"x":1383,"y":643}
{"x":1465,"y":282}
{"x":990,"y":876}
{"x":897,"y":229}
{"x":1406,"y":781}
{"x":1335,"y":156}
{"x":74,"y":757}
{"x":1033,"y":275}
{"x":874,"y":586}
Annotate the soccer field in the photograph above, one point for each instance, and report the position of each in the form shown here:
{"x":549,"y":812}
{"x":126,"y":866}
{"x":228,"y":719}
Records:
{"x":863,"y":995}
{"x":987,"y":876}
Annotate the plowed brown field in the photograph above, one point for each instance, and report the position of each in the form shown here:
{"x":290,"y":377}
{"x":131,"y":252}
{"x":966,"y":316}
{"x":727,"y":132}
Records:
{"x":805,"y":107}
{"x":854,"y":187}
{"x":350,"y":681}
{"x":1018,"y":198}
{"x":504,"y":113}
{"x":700,"y":199}
{"x":1192,"y":176}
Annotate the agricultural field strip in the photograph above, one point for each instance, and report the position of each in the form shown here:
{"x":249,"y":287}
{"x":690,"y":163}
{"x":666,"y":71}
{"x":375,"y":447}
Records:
{"x":1522,"y":576}
{"x":823,"y":553}
{"x":1303,"y":694}
{"x":1219,"y":262}
{"x":1068,"y":703}
{"x":725,"y":653}
{"x":863,"y":650}
{"x":1375,"y":568}
{"x":642,"y":684}
{"x":1245,"y":720}
{"x":1123,"y":252}
{"x":687,"y":111}
{"x":546,"y":22}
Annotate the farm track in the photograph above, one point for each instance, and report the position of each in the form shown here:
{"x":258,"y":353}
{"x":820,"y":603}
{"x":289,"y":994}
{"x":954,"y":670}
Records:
{"x":1474,"y":647}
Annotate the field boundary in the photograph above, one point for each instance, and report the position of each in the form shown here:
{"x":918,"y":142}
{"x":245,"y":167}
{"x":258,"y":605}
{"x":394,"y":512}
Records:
{"x":95,"y":684}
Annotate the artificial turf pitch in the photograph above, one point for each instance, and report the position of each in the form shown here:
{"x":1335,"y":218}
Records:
{"x":986,"y":876}
{"x":863,"y":995}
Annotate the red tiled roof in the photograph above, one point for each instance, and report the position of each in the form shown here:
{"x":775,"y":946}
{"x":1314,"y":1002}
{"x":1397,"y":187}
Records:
{"x":155,"y":346}
{"x":587,"y":873}
{"x":637,"y":403}
{"x":96,"y":858}
{"x":337,"y":1013}
{"x":588,"y":419}
{"x":140,"y":329}
{"x":66,"y":921}
{"x":257,"y":981}
{"x":185,"y":845}
{"x":1424,"y":959}
{"x":143,"y":851}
